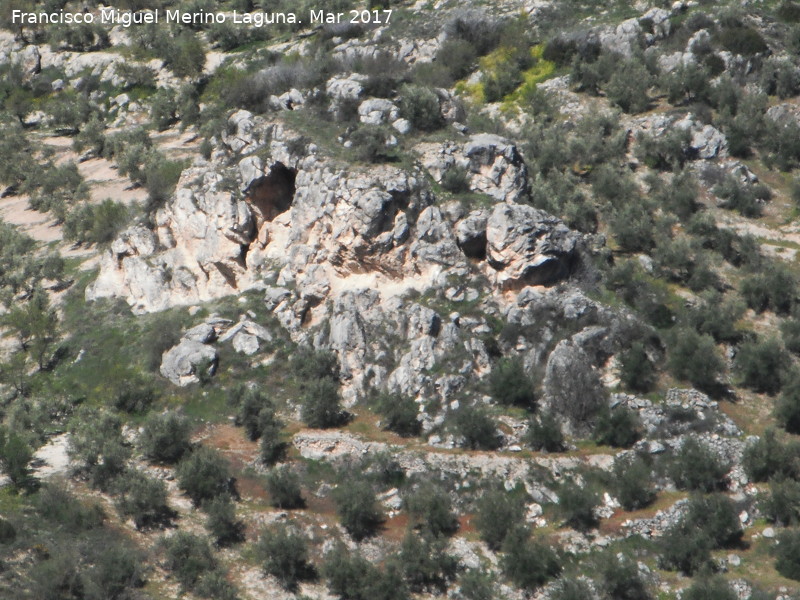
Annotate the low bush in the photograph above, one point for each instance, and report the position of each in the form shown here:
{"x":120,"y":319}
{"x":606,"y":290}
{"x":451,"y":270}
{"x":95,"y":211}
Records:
{"x":399,"y":414}
{"x":165,"y":437}
{"x":204,"y":475}
{"x":283,"y":553}
{"x":221,"y":521}
{"x":510,"y":385}
{"x":188,"y":556}
{"x":576,"y":504}
{"x":143,"y":499}
{"x":284,"y":490}
{"x":636,"y":371}
{"x":528,"y":563}
{"x":787,"y":554}
{"x":710,"y":522}
{"x":15,"y":457}
{"x":425,"y":563}
{"x":322,"y":406}
{"x":633,"y":482}
{"x":475,"y":427}
{"x":782,"y":504}
{"x":352,"y":577}
{"x":430,"y":508}
{"x":709,"y":588}
{"x":420,"y":105}
{"x":619,"y":427}
{"x":96,"y":447}
{"x":358,"y":509}
{"x":787,"y":407}
{"x":773,"y":288}
{"x":696,"y":467}
{"x":621,"y":579}
{"x":762,"y":365}
{"x":498,"y":512}
{"x":544,"y":433}
{"x":370,"y":144}
{"x":769,"y":457}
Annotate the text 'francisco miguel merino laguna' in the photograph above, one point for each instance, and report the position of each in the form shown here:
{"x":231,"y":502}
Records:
{"x":112,"y":16}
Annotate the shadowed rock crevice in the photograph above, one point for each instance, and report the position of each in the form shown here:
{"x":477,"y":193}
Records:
{"x":272,"y":194}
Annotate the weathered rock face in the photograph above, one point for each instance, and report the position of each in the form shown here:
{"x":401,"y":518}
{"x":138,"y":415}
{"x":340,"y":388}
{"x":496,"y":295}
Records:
{"x":573,"y":388}
{"x":182,"y":364}
{"x":338,"y":252}
{"x":494,"y":166}
{"x":527,"y":246}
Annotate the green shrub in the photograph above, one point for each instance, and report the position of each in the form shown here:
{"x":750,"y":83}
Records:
{"x":160,"y":176}
{"x":790,"y":334}
{"x":526,"y":562}
{"x":775,"y":288}
{"x":322,"y":405}
{"x":746,"y":199}
{"x":740,"y":39}
{"x":510,"y":385}
{"x":430,"y":508}
{"x":15,"y":457}
{"x":163,"y":109}
{"x":283,"y":553}
{"x":619,"y":427}
{"x":426,"y":564}
{"x":769,"y":457}
{"x":709,"y":588}
{"x":787,"y":408}
{"x":455,"y":179}
{"x":308,"y":364}
{"x":709,"y":523}
{"x":576,"y":504}
{"x":695,"y":467}
{"x":498,"y":512}
{"x":255,"y":412}
{"x":358,"y":509}
{"x":143,"y":499}
{"x":787,"y":554}
{"x":369,"y":143}
{"x":221,"y":521}
{"x":420,"y":106}
{"x":782,"y":504}
{"x":61,"y":508}
{"x":215,"y":586}
{"x":399,"y":414}
{"x":636,"y":371}
{"x":186,"y":56}
{"x":165,"y":437}
{"x":571,"y":589}
{"x":476,"y":428}
{"x":694,"y":357}
{"x":633,"y":482}
{"x":204,"y":475}
{"x":476,"y":584}
{"x":97,"y":448}
{"x":352,"y":577}
{"x":667,"y":152}
{"x":629,"y":85}
{"x":621,"y":579}
{"x":188,"y":556}
{"x":544,"y":433}
{"x":284,"y":490}
{"x":135,"y":396}
{"x":762,"y":365}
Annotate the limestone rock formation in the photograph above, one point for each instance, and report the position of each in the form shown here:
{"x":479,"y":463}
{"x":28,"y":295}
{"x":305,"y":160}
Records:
{"x":494,"y":165}
{"x":526,"y":246}
{"x":182,"y":364}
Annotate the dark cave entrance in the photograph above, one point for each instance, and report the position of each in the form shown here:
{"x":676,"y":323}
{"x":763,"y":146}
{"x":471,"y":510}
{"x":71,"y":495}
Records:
{"x":272,"y":194}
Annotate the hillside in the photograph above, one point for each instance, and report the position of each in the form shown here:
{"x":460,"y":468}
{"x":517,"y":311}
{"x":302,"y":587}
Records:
{"x":394,"y":300}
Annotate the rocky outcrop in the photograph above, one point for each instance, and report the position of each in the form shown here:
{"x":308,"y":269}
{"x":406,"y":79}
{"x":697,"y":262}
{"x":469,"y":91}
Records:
{"x":493,"y":165}
{"x":183,"y":364}
{"x":572,"y":386}
{"x":527,"y":246}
